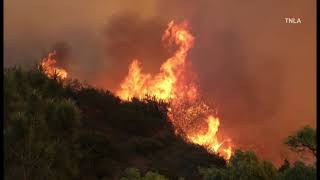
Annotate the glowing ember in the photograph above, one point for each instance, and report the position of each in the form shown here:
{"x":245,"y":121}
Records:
{"x":176,"y":84}
{"x":49,"y":66}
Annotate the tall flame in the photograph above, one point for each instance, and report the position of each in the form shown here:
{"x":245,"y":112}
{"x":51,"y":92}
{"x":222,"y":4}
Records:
{"x":48,"y":64}
{"x":189,"y":114}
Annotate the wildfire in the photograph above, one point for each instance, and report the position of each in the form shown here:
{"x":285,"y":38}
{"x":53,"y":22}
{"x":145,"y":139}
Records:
{"x":176,"y":84}
{"x":50,"y":69}
{"x":209,"y":139}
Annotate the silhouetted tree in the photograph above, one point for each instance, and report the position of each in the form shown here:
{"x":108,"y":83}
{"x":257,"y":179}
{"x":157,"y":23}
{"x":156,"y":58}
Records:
{"x":304,"y":140}
{"x":284,"y":166}
{"x":242,"y":166}
{"x":298,"y":172}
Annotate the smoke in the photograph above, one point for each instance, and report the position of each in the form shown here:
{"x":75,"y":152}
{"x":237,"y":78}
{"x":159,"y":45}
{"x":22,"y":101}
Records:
{"x":62,"y":54}
{"x":127,"y":37}
{"x":258,"y":70}
{"x":32,"y":28}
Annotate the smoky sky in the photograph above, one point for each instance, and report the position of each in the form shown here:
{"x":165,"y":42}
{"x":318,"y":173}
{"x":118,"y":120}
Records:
{"x":257,"y":70}
{"x":129,"y":37}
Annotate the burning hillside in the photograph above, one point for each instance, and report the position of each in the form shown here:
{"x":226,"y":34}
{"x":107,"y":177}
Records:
{"x":175,"y":84}
{"x":50,"y":68}
{"x":190,"y":115}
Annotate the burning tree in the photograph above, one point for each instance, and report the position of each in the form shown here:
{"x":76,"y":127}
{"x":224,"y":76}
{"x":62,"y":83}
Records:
{"x":50,"y":68}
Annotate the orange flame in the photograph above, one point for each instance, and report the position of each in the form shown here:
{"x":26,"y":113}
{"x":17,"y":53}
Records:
{"x":49,"y":66}
{"x":209,"y":139}
{"x":187,"y":112}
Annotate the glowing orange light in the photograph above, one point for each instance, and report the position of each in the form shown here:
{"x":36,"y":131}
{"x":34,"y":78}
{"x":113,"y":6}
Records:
{"x":49,"y":66}
{"x":171,"y":84}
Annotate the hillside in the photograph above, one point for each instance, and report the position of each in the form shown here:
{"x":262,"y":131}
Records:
{"x":56,"y":129}
{"x":99,"y":135}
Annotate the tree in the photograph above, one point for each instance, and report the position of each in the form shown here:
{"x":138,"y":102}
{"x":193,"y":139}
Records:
{"x":304,"y":140}
{"x":284,"y":166}
{"x":242,"y":166}
{"x":298,"y":172}
{"x":38,"y":129}
{"x":134,"y":174}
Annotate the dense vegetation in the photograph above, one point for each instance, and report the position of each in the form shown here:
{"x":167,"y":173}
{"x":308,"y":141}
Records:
{"x":57,"y":129}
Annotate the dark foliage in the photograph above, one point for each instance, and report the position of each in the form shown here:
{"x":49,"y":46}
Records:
{"x":304,"y":140}
{"x":246,"y":166}
{"x":57,"y":129}
{"x":66,"y":130}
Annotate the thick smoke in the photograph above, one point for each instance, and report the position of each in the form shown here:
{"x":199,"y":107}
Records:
{"x":257,"y":70}
{"x":254,"y":66}
{"x":63,"y":54}
{"x":129,"y":37}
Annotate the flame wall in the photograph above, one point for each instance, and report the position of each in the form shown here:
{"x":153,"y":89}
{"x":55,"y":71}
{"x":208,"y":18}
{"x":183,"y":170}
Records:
{"x":259,"y":71}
